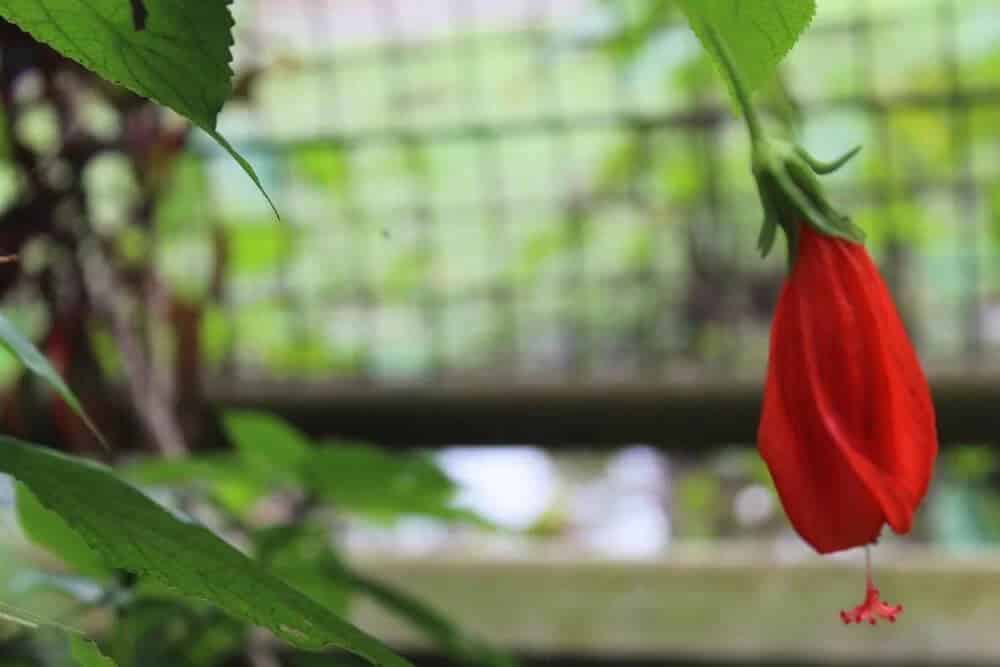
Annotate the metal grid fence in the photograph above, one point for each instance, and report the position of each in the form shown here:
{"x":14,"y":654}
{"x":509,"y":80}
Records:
{"x":555,"y":190}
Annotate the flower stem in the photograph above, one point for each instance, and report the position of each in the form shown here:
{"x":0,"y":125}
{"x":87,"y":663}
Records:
{"x":868,"y":566}
{"x":739,"y":85}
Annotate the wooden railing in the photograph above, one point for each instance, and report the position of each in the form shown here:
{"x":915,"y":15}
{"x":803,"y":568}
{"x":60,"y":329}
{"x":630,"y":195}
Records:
{"x":727,"y":605}
{"x":673,"y":416}
{"x":737,"y":607}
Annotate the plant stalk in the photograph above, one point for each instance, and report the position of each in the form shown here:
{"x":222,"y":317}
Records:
{"x":739,"y":85}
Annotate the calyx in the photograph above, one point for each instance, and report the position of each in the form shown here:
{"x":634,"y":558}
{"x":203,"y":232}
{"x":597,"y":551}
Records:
{"x":790,"y":192}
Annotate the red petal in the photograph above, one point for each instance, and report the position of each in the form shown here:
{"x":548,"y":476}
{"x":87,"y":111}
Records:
{"x":847,"y":428}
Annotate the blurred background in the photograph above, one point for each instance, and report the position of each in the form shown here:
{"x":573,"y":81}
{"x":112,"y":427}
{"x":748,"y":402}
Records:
{"x":514,"y":290}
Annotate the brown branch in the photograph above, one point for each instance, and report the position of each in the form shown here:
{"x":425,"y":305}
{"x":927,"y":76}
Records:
{"x":154,"y":408}
{"x":161,"y":372}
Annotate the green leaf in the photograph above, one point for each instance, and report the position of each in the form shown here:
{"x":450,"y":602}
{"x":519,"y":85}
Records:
{"x":266,"y":444}
{"x":355,"y":477}
{"x":86,"y":654}
{"x":301,"y":555}
{"x":368,"y":481}
{"x":29,"y":355}
{"x":48,"y":530}
{"x":225,"y":476}
{"x":169,"y":472}
{"x":180,"y":60}
{"x":244,"y":163}
{"x":758,"y":34}
{"x":134,"y":533}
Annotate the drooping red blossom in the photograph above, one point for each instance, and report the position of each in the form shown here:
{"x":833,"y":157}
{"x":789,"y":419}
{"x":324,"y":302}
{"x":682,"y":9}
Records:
{"x":848,"y":428}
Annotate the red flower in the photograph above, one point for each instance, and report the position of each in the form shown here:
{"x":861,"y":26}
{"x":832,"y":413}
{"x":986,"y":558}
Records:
{"x":848,"y":428}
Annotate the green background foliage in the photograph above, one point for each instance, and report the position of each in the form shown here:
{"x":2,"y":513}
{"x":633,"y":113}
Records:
{"x":133,"y":533}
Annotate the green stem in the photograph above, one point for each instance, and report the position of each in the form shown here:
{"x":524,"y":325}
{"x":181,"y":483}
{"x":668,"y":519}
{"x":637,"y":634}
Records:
{"x":739,"y":86}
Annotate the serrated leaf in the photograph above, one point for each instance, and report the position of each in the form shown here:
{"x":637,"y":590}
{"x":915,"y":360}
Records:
{"x":180,"y":60}
{"x":757,"y":33}
{"x":29,"y":355}
{"x":86,"y":654}
{"x":133,"y":533}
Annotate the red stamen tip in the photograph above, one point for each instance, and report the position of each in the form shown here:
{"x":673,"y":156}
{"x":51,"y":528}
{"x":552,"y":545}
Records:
{"x":872,"y":609}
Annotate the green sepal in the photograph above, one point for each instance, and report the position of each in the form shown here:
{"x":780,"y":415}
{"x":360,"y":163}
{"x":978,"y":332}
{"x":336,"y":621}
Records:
{"x":786,"y":174}
{"x":790,"y":192}
{"x":823,"y":168}
{"x":769,"y":228}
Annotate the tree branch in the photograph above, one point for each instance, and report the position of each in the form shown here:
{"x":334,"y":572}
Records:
{"x":155,"y":409}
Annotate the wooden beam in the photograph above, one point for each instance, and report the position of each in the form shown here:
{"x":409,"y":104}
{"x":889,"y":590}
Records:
{"x":427,"y":659}
{"x":733,"y":605}
{"x":681,"y":416}
{"x":430,"y":659}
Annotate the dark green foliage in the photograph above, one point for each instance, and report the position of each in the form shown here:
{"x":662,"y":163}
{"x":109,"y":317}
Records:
{"x":133,"y":533}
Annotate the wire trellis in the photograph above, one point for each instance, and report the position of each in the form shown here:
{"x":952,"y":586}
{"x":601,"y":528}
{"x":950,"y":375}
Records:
{"x":557,"y":191}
